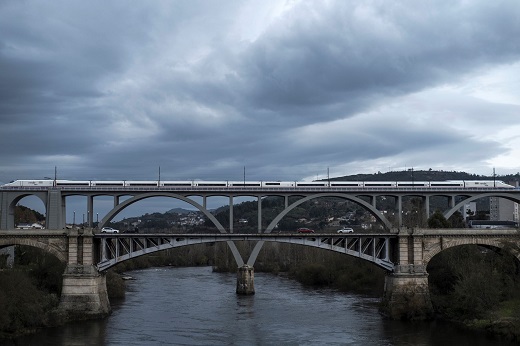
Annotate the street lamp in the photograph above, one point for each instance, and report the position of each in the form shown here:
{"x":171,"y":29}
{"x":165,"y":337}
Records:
{"x":73,"y":219}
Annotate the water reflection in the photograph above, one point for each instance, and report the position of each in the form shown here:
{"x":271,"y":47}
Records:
{"x":194,"y":306}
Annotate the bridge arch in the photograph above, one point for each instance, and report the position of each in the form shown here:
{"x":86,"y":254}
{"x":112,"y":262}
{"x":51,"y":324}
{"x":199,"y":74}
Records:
{"x":256,"y":250}
{"x":12,"y":199}
{"x":372,"y":248}
{"x":431,"y":249}
{"x":58,"y":250}
{"x":357,"y":200}
{"x":134,"y":199}
{"x":461,"y":204}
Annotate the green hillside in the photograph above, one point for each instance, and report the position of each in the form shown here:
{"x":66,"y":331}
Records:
{"x":421,"y":175}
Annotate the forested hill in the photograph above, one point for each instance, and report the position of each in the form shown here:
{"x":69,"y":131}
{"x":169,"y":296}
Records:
{"x":429,"y":175}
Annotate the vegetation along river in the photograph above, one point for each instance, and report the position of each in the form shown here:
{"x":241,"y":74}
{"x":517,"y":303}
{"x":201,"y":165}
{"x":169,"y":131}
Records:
{"x":195,"y":306}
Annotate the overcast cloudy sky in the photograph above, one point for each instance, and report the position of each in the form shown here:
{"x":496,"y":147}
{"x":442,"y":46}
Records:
{"x":287,"y":89}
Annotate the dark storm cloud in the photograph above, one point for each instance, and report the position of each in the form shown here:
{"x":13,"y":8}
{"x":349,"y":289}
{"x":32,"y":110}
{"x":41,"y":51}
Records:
{"x":351,"y":54}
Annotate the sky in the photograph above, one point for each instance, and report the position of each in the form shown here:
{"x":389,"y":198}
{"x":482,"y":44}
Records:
{"x":273,"y":90}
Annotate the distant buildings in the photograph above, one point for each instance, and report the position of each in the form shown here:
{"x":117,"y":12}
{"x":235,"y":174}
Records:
{"x":501,"y":209}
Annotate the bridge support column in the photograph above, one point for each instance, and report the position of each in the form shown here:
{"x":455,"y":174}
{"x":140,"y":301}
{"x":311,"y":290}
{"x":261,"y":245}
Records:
{"x":84,"y":291}
{"x":407,"y":296}
{"x":399,"y":204}
{"x":246,"y":280}
{"x":55,"y":219}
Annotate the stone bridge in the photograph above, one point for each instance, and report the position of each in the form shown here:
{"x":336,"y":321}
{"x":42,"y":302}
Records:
{"x":403,"y":254}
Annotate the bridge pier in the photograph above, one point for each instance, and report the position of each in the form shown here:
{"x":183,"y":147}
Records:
{"x":84,"y":291}
{"x":407,"y":295}
{"x":246,"y":280}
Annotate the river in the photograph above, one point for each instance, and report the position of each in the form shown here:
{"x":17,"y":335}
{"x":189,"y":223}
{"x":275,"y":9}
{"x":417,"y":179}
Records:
{"x":194,"y":306}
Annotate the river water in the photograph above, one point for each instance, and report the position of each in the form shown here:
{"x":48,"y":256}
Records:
{"x":194,"y":306}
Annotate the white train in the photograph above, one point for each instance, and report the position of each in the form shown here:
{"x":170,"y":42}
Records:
{"x":266,"y":184}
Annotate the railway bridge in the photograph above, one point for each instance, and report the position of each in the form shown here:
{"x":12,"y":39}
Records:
{"x":404,"y":253}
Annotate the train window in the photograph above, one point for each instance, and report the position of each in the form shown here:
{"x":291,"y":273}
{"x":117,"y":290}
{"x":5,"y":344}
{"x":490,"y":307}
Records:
{"x":211,"y":184}
{"x":311,"y":184}
{"x":141,"y":184}
{"x":445,"y":184}
{"x":77,"y":183}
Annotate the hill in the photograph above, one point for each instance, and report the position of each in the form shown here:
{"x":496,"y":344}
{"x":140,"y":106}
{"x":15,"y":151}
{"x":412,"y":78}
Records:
{"x":422,"y":175}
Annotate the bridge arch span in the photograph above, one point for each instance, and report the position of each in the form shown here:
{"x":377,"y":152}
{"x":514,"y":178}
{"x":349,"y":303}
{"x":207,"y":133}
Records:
{"x":11,"y":200}
{"x":57,"y":249}
{"x":111,"y":214}
{"x":372,"y":248}
{"x":459,"y":205}
{"x":256,"y":250}
{"x":432,"y":246}
{"x":357,"y":200}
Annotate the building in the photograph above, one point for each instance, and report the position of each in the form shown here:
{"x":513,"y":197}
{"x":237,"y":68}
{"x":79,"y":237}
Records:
{"x":468,"y":210}
{"x":501,"y":209}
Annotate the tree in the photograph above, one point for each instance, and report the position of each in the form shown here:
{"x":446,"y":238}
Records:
{"x":437,"y":220}
{"x":456,"y":220}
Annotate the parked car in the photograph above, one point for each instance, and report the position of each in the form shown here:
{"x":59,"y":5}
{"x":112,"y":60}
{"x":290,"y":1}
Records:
{"x":109,"y":230}
{"x":305,"y":230}
{"x":346,"y":230}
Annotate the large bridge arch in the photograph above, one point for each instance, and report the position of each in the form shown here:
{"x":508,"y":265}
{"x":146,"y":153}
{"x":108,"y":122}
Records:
{"x":372,"y":248}
{"x":256,"y":250}
{"x":111,"y":214}
{"x":10,"y":199}
{"x":459,"y":205}
{"x":57,"y":248}
{"x":357,"y":200}
{"x":434,"y":247}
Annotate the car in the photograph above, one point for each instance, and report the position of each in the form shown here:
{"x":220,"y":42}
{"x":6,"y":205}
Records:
{"x":346,"y":230}
{"x":305,"y":230}
{"x":109,"y":230}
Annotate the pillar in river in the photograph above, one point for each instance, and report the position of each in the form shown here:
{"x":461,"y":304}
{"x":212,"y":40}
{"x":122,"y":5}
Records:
{"x":246,"y":280}
{"x":84,"y":293}
{"x":407,"y":296}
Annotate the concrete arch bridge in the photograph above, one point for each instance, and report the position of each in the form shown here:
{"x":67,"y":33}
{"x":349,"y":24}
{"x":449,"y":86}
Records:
{"x":403,"y":253}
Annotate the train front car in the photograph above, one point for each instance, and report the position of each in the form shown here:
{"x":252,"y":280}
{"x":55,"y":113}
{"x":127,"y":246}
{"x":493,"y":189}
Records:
{"x":32,"y":183}
{"x":487,"y":184}
{"x":501,"y":185}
